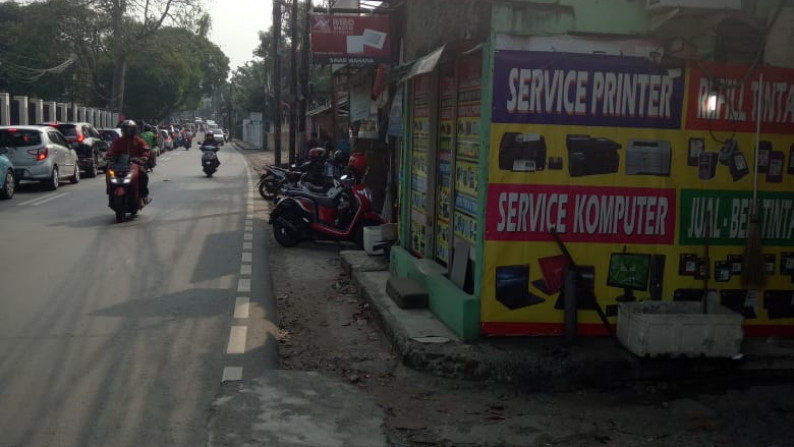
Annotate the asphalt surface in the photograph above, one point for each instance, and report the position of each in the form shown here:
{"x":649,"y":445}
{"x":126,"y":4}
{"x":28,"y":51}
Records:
{"x":120,"y":334}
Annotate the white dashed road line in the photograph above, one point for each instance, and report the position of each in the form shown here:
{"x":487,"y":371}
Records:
{"x":241,"y":307}
{"x":232,"y":373}
{"x":239,"y":332}
{"x":40,"y":200}
{"x":237,"y":337}
{"x":244,"y":285}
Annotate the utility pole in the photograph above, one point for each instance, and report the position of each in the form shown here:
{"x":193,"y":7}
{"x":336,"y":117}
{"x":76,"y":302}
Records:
{"x":305,"y":70}
{"x":230,"y":108}
{"x":276,"y":82}
{"x":293,"y":80}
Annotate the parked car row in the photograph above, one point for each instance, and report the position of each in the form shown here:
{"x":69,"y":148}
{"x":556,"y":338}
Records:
{"x":50,"y":153}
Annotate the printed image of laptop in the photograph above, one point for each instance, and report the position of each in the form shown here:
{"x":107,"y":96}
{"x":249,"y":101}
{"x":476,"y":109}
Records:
{"x":373,"y":38}
{"x":551,"y":269}
{"x":512,"y":287}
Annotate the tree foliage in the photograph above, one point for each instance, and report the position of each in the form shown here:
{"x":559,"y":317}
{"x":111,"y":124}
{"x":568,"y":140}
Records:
{"x":171,"y":69}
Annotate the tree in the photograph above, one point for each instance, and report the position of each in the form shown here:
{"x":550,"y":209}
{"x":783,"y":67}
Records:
{"x":173,"y":73}
{"x":35,"y":42}
{"x":125,"y":37}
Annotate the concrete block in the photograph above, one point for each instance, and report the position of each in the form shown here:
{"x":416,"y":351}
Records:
{"x":407,"y":293}
{"x":360,"y":261}
{"x":654,"y":328}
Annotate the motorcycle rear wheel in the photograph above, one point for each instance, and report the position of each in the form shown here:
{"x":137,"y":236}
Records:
{"x":267,"y":187}
{"x":285,"y":236}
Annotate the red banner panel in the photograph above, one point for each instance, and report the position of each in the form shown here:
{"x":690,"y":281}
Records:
{"x":581,"y":214}
{"x":346,"y":39}
{"x":723,"y":97}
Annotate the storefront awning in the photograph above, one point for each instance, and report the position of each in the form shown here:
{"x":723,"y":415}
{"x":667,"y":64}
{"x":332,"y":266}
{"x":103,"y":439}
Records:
{"x":425,"y":64}
{"x":428,"y":63}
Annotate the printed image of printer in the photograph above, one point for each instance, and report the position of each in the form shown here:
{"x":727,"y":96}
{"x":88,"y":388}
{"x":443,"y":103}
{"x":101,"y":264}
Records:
{"x":522,"y":152}
{"x":646,"y":157}
{"x":591,"y":156}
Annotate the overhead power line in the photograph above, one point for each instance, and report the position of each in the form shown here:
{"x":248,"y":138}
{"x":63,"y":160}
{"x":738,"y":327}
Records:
{"x":31,"y":74}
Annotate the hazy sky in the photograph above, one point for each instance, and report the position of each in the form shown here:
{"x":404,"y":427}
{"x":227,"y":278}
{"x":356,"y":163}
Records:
{"x":236,"y":25}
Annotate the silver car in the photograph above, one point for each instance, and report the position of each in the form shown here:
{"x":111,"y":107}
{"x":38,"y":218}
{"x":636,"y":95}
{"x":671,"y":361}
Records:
{"x":40,"y":153}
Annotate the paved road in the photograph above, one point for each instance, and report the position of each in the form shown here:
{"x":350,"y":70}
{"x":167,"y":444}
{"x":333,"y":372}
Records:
{"x":119,"y":334}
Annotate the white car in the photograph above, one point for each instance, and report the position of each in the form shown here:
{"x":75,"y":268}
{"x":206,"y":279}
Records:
{"x":40,"y":153}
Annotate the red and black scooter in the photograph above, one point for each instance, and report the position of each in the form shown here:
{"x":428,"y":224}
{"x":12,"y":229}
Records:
{"x":122,"y":186}
{"x":341,"y":214}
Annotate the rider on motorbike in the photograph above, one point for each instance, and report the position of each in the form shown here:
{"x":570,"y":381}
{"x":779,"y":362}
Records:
{"x":150,"y":138}
{"x":209,"y":140}
{"x":135,"y":146}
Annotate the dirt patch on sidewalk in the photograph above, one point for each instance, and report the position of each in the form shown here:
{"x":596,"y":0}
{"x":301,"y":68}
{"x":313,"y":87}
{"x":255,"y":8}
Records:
{"x":325,"y":326}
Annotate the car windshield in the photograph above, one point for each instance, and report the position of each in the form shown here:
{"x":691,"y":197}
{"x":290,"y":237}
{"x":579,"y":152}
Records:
{"x":68,"y":130}
{"x":109,"y":135}
{"x":19,"y":137}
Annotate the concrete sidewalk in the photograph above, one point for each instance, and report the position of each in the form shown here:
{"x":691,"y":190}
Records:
{"x":425,"y":343}
{"x":240,"y":144}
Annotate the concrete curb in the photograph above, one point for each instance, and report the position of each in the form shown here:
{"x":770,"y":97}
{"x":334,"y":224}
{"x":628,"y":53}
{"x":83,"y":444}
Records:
{"x":243,"y":146}
{"x":540,"y":363}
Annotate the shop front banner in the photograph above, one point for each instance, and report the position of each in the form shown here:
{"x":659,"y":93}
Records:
{"x":645,"y":173}
{"x":585,"y":90}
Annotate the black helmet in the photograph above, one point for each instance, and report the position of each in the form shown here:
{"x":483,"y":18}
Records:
{"x":341,"y":158}
{"x":148,"y":128}
{"x":129,"y":128}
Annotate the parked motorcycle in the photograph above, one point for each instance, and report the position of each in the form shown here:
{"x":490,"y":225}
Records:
{"x":122,"y":186}
{"x":274,"y":179}
{"x":313,"y":175}
{"x":341,"y":214}
{"x":209,"y":159}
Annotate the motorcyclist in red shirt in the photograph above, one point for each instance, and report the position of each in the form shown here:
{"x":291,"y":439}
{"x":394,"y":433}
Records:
{"x":130,"y":143}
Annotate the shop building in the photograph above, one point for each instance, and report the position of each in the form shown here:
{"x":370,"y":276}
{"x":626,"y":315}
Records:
{"x":626,"y":129}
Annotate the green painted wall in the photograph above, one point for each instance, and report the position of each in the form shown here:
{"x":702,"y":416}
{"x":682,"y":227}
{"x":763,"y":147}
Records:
{"x":459,"y":311}
{"x":548,"y":17}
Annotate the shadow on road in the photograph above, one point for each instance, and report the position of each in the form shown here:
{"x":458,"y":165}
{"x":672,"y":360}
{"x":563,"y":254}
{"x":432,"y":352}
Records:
{"x":185,"y":304}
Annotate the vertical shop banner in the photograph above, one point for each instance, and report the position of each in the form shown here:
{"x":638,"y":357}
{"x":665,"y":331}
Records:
{"x":349,"y":39}
{"x":396,"y":115}
{"x":467,"y":150}
{"x":420,"y":144}
{"x":723,"y":97}
{"x":646,"y":175}
{"x":443,"y":211}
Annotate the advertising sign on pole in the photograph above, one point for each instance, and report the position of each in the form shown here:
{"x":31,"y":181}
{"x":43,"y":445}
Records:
{"x":347,"y":39}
